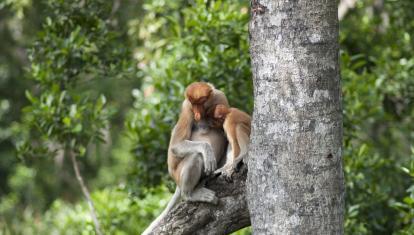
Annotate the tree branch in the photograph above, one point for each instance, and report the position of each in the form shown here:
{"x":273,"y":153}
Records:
{"x":86,"y":193}
{"x":229,"y":215}
{"x":344,"y":7}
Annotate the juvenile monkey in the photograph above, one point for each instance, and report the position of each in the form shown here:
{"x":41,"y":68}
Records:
{"x":237,"y":125}
{"x":195,"y":147}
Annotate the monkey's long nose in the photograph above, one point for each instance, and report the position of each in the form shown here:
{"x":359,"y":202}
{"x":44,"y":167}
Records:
{"x":197,"y":116}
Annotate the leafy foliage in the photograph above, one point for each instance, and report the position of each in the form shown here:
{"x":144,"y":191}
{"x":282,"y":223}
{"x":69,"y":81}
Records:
{"x":378,"y":99}
{"x":207,"y":42}
{"x":406,"y":207}
{"x":79,"y":91}
{"x":76,"y":45}
{"x":119,"y":214}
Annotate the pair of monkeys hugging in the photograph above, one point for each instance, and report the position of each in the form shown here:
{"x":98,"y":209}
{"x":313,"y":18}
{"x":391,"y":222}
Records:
{"x":198,"y":145}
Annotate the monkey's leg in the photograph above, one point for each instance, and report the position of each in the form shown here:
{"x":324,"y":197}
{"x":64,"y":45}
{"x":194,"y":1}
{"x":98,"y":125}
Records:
{"x":227,"y":169}
{"x":236,"y":163}
{"x":190,"y":177}
{"x":188,"y":147}
{"x":231,"y":166}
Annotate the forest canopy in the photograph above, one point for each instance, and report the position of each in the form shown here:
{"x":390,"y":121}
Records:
{"x":104,"y":80}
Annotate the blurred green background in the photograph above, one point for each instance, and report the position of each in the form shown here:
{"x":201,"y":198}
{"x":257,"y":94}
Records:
{"x":104,"y":80}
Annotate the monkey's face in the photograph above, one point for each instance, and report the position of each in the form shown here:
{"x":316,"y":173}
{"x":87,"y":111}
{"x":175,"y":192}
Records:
{"x":197,"y":106}
{"x":198,"y":93}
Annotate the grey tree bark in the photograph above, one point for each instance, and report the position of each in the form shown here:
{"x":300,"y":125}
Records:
{"x":295,"y":183}
{"x":229,"y":215}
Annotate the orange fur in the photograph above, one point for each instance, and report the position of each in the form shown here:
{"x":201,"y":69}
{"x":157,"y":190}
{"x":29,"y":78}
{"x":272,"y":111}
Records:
{"x":186,"y":168}
{"x":198,"y":93}
{"x":199,"y":96}
{"x":237,"y":125}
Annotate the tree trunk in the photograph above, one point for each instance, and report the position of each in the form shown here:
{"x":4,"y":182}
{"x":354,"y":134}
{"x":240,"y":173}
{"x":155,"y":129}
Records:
{"x":295,"y":182}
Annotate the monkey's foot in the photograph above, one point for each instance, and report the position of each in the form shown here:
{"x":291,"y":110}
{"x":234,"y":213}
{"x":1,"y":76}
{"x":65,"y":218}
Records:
{"x":210,"y":163}
{"x":202,"y":194}
{"x":227,"y":171}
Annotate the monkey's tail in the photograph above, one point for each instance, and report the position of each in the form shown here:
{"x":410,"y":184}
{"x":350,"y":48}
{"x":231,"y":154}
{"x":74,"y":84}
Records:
{"x":174,"y":200}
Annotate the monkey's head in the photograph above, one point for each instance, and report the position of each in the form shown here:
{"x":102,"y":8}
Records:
{"x":198,"y":93}
{"x":220,"y":112}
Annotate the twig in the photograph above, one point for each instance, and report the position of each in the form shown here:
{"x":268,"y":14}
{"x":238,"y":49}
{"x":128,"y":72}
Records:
{"x":115,"y":6}
{"x":344,"y":7}
{"x":85,"y":193}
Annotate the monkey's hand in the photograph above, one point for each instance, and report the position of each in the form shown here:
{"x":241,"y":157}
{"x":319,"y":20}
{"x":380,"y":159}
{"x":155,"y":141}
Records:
{"x":188,"y":148}
{"x":210,"y":163}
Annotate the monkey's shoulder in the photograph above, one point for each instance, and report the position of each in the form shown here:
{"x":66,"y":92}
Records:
{"x":237,"y":116}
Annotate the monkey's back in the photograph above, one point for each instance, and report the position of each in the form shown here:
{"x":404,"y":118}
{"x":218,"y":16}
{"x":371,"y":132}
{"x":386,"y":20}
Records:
{"x":240,"y":118}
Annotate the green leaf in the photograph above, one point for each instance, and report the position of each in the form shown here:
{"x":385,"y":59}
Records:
{"x":77,"y":128}
{"x":362,"y":150}
{"x":48,"y":21}
{"x":30,"y":97}
{"x":408,"y":200}
{"x":73,"y":110}
{"x":100,"y":103}
{"x":66,"y":121}
{"x":406,"y":170}
{"x":82,"y":150}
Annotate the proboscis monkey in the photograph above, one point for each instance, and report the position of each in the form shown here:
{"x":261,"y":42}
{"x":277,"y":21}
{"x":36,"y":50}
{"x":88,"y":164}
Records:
{"x":195,"y":146}
{"x":200,"y":97}
{"x":237,"y":125}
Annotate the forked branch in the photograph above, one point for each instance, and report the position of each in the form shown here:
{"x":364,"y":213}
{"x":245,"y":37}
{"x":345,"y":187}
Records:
{"x":229,"y":215}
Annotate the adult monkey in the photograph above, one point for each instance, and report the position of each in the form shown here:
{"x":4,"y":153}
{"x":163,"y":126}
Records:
{"x":196,"y":146}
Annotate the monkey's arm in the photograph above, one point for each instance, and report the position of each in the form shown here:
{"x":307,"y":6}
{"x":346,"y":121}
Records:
{"x":182,"y":130}
{"x":243,"y":139}
{"x":187,"y":148}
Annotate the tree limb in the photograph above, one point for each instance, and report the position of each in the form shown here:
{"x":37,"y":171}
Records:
{"x":229,"y":215}
{"x":344,"y":7}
